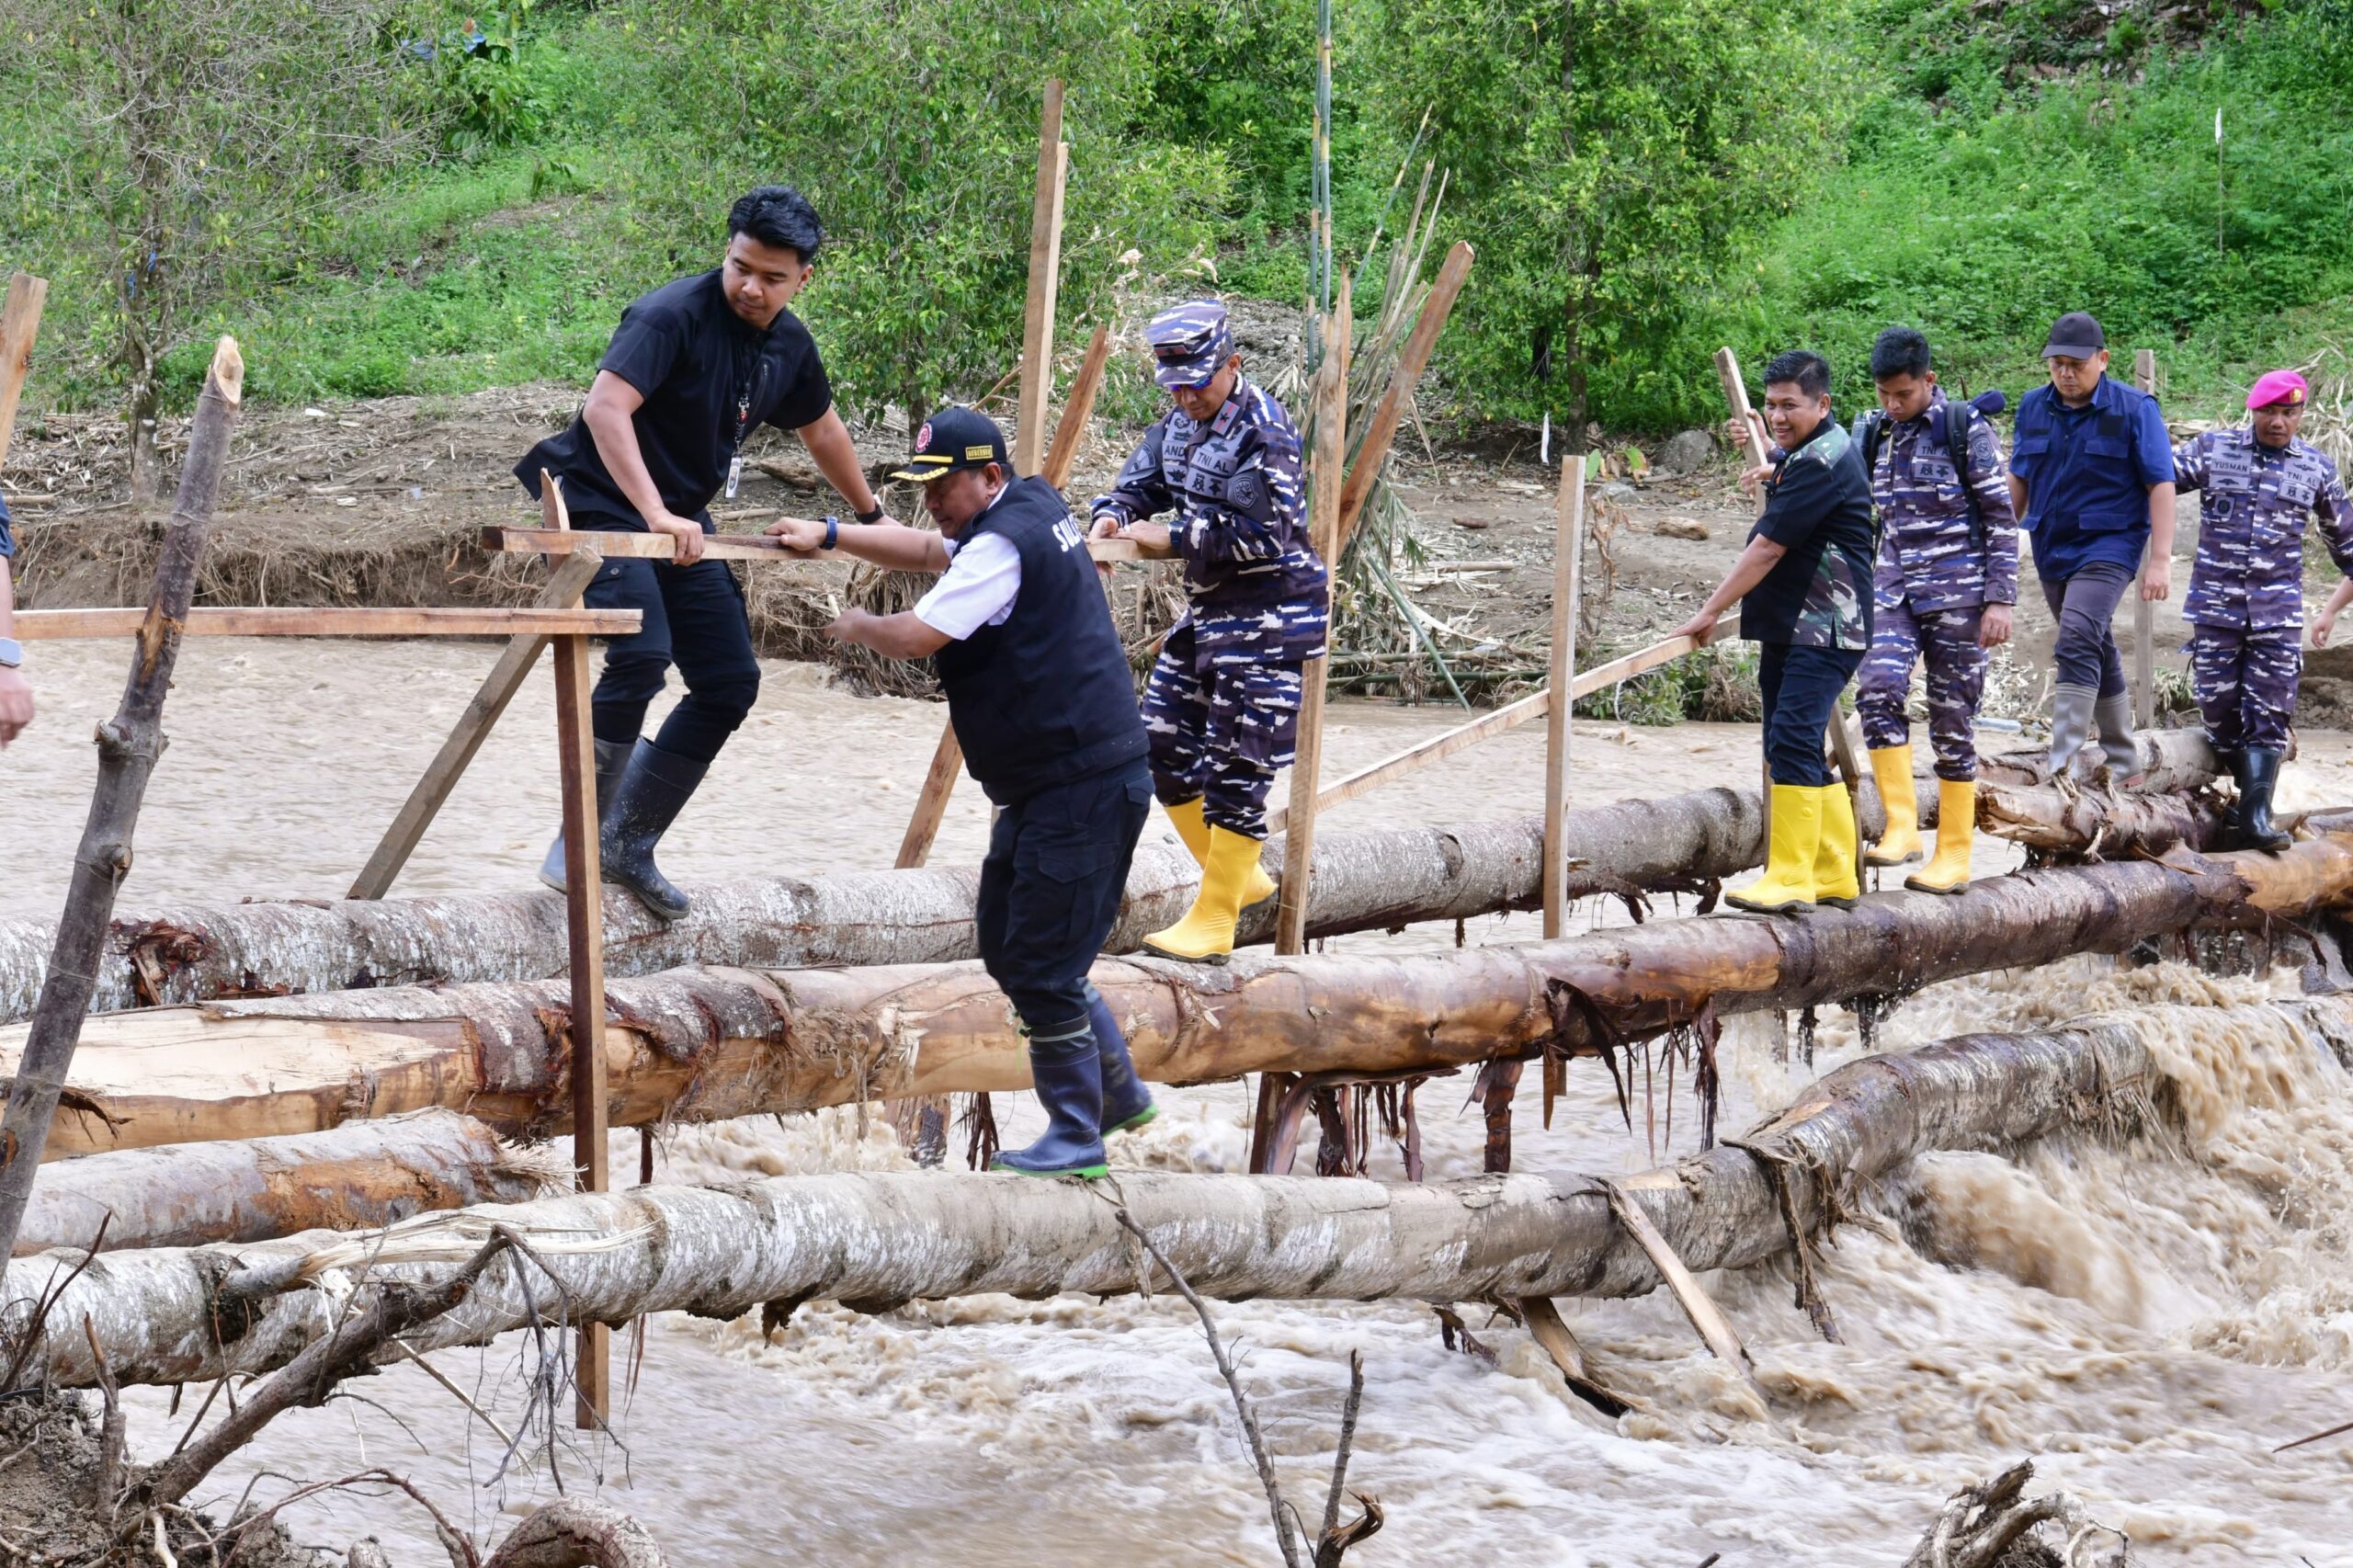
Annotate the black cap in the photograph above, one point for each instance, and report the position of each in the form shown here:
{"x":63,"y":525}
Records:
{"x":954,"y":437}
{"x":2075,"y":336}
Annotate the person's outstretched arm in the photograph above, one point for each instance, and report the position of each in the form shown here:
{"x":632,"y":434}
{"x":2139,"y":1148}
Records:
{"x":836,"y":455}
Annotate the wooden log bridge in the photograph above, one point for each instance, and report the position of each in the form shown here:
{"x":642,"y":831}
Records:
{"x":708,"y":1044}
{"x":876,"y":1241}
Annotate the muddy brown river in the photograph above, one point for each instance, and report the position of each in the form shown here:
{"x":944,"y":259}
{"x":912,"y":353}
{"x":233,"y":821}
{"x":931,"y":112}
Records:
{"x":2146,"y":1322}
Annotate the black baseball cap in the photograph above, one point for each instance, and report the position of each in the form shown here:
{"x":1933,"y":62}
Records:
{"x":954,"y":437}
{"x":2075,"y":335}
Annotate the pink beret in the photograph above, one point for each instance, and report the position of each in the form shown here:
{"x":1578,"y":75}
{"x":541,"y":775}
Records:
{"x":2277,"y":386}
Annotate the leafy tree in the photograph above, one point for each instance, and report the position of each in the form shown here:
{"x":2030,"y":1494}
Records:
{"x":1612,"y":159}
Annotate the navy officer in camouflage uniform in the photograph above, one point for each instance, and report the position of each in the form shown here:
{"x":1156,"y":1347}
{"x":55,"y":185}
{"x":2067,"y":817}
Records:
{"x":1804,"y":588}
{"x":1223,"y":704}
{"x":2257,"y":483}
{"x":1947,"y":579}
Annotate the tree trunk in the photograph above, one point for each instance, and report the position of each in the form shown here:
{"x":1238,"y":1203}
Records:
{"x":1363,"y":880}
{"x":708,"y":1044}
{"x":874,"y":1241}
{"x":2052,"y":821}
{"x":129,"y":745}
{"x":358,"y":1176}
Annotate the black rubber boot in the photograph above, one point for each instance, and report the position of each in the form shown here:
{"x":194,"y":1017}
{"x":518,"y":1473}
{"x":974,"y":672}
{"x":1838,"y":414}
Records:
{"x":1127,"y":1104}
{"x":2258,"y":777}
{"x":611,"y":757}
{"x":2233,"y":834}
{"x":654,"y":789}
{"x":1067,"y":1075}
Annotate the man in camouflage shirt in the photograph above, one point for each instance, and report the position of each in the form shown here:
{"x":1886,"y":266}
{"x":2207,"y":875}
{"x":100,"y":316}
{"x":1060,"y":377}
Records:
{"x":1222,"y":707}
{"x":2246,"y":609}
{"x":1947,"y":579}
{"x":1804,"y":588}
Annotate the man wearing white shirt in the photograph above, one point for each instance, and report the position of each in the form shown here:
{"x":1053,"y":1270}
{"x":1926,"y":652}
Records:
{"x":1044,"y":708}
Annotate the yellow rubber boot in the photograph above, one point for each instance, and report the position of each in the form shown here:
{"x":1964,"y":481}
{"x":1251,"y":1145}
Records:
{"x":1891,"y":769}
{"x":1206,"y":934}
{"x":1956,"y":828}
{"x":1834,"y":856}
{"x":1787,"y":882}
{"x":1194,"y":829}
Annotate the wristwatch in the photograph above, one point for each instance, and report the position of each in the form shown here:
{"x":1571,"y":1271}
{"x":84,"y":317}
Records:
{"x":876,"y":515}
{"x":833,"y":532}
{"x":12,"y":653}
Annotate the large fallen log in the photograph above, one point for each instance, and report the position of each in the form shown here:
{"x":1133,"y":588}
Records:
{"x":707,"y":1044}
{"x":1364,"y":881}
{"x":2068,"y":820}
{"x":359,"y":1176}
{"x":878,"y":1240}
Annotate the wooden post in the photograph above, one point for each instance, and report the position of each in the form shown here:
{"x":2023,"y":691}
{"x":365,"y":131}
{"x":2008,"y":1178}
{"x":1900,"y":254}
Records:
{"x":565,"y":583}
{"x":1568,"y":548}
{"x":1328,"y":471}
{"x":1029,"y":431}
{"x":1381,"y":427}
{"x":584,"y":911}
{"x":2144,"y":614}
{"x":19,"y":325}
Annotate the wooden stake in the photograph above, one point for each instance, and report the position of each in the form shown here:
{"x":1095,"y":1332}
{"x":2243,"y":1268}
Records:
{"x":1077,"y":409}
{"x":2144,"y":614}
{"x":564,"y":586}
{"x":129,"y":744}
{"x":1714,"y":1328}
{"x":931,"y":806}
{"x":1568,"y":549}
{"x":19,"y":325}
{"x":584,"y":912}
{"x":1327,"y":473}
{"x":1381,"y":429}
{"x":1045,"y":272}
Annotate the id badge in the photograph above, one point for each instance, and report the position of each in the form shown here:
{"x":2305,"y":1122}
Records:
{"x":735,"y":476}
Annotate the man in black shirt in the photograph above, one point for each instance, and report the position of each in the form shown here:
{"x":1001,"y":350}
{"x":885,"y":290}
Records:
{"x":694,"y":367}
{"x":1804,"y":584}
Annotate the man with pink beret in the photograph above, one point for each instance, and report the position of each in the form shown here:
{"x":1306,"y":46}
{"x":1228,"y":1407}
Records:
{"x":2257,"y":483}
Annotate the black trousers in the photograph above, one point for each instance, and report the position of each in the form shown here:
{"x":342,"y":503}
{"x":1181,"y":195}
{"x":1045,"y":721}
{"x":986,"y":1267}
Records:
{"x":1051,"y":886}
{"x":2085,"y":608}
{"x":1801,"y":687}
{"x":694,"y":619}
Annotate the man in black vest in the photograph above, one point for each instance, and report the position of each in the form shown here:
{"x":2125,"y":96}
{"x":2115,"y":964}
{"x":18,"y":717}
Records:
{"x":1043,"y":705}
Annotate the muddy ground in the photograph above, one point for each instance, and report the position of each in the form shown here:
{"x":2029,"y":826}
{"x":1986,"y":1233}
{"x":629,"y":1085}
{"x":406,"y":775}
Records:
{"x":382,"y":502}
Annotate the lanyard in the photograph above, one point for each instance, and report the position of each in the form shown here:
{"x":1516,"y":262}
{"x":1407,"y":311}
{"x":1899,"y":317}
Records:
{"x":748,"y":389}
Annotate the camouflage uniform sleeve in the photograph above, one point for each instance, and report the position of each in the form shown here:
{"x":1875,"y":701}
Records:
{"x":2190,"y":464}
{"x":1993,"y":494}
{"x":1264,"y":507}
{"x":1138,"y":492}
{"x":2335,"y":517}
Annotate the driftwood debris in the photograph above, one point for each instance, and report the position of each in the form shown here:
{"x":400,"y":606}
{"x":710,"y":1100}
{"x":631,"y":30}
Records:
{"x":708,"y":1044}
{"x":129,"y":745}
{"x":1997,"y":1525}
{"x":172,"y":1316}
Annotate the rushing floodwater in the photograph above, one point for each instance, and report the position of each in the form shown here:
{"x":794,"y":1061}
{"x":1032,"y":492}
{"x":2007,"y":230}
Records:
{"x":2147,"y":1322}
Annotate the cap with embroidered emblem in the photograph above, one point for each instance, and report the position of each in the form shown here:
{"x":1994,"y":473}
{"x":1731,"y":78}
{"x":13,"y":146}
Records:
{"x":1190,"y":344}
{"x":954,"y":437}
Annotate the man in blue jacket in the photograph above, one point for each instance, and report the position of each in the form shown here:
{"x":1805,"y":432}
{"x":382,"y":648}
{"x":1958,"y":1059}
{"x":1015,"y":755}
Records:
{"x":1039,"y":691}
{"x":2092,"y":480}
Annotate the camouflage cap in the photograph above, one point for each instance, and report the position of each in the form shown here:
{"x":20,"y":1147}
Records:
{"x":1189,"y":341}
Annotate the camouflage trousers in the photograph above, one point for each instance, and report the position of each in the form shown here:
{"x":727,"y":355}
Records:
{"x":1220,"y":728}
{"x":1948,"y":640}
{"x":2246,"y":681}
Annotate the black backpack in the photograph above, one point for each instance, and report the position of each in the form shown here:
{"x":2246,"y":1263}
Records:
{"x":1949,"y":427}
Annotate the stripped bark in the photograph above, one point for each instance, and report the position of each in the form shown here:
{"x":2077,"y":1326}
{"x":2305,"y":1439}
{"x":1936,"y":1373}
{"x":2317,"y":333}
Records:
{"x":2067,"y":820}
{"x":877,"y":1240}
{"x":359,"y":1176}
{"x":708,"y":1044}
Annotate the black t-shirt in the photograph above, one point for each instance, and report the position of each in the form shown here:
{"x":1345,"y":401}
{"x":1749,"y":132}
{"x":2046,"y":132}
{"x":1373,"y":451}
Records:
{"x":1818,"y":508}
{"x":698,"y":364}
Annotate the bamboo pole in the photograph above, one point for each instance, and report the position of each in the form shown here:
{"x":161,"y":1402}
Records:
{"x":565,"y":583}
{"x":129,"y":745}
{"x":583,"y":907}
{"x":1568,"y":548}
{"x":2145,"y":620}
{"x":19,"y":325}
{"x":1326,"y":475}
{"x":1412,"y":360}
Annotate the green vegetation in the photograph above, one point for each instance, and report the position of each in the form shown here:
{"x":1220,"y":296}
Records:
{"x":476,"y":193}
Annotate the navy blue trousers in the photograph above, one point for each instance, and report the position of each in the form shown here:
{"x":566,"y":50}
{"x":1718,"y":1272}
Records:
{"x":1051,"y":886}
{"x":1801,"y":687}
{"x":694,"y":619}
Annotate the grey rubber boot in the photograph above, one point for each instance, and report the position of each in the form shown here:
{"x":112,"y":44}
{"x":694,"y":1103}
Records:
{"x":2114,"y":716}
{"x":654,"y":788}
{"x":2070,"y":725}
{"x":611,"y":757}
